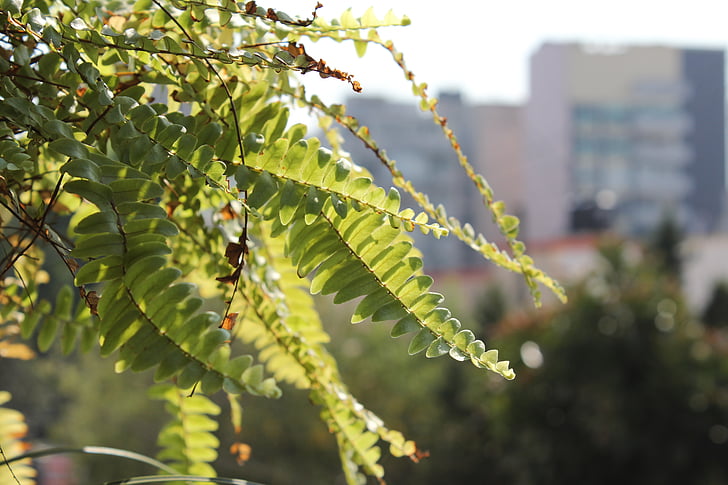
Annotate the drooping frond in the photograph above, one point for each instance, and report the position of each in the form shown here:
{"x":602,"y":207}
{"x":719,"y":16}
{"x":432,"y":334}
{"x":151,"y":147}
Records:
{"x":356,"y":243}
{"x":145,"y":312}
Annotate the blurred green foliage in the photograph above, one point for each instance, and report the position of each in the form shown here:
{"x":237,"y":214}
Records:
{"x":630,"y":388}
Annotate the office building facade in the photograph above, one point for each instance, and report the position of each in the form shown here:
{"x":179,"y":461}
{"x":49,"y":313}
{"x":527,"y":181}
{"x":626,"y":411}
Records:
{"x":620,"y":137}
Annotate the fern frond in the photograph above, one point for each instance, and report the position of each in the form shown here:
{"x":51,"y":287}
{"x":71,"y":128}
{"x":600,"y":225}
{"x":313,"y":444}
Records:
{"x":353,"y":256}
{"x":305,"y":175}
{"x":188,"y":440}
{"x":73,"y":327}
{"x":145,"y":313}
{"x":24,"y":315}
{"x":13,"y":430}
{"x":390,"y":279}
{"x":13,"y":314}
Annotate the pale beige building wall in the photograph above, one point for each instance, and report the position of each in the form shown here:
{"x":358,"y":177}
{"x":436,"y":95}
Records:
{"x":566,"y":76}
{"x":499,"y":155}
{"x":609,"y":74}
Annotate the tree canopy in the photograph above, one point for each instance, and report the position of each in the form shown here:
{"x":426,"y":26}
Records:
{"x":147,"y":149}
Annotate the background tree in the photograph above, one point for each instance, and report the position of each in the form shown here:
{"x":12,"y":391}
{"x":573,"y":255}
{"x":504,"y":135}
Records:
{"x":148,"y":147}
{"x":715,"y":313}
{"x":665,"y":245}
{"x":628,"y":387}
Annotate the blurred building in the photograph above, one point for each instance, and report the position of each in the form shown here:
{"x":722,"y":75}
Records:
{"x":613,"y":138}
{"x":499,"y":151}
{"x":620,"y":137}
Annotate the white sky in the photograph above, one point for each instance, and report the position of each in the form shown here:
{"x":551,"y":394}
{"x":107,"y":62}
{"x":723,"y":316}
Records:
{"x":481,"y":47}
